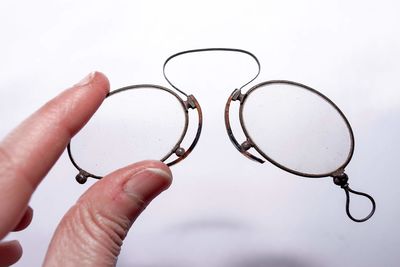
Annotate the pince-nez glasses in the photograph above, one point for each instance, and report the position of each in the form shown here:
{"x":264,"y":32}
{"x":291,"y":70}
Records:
{"x":289,"y":124}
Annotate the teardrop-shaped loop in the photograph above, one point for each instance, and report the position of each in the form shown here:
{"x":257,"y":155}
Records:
{"x":348,"y":190}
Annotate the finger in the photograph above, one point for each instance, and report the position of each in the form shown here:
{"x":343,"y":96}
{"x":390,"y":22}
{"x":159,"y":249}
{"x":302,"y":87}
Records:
{"x":10,"y":253}
{"x":27,"y":154}
{"x":91,"y":233}
{"x":25,"y":221}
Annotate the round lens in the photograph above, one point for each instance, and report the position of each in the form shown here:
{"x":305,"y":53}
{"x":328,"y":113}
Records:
{"x":131,"y":125}
{"x":297,"y":128}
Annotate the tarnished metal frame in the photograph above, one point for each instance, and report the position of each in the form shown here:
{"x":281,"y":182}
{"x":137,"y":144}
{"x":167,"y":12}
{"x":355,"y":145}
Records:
{"x":249,"y":143}
{"x":211,"y":50}
{"x":181,"y":153}
{"x":340,"y":178}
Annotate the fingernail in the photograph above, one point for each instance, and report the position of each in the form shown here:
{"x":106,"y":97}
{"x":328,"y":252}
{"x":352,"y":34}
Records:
{"x":87,"y":79}
{"x":148,"y":183}
{"x":15,"y":244}
{"x":12,"y":243}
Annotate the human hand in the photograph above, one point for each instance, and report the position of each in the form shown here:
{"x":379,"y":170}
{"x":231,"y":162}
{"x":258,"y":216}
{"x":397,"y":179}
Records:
{"x":91,"y":232}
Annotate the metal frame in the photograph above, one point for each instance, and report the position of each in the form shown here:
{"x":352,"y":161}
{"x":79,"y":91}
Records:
{"x":181,"y":153}
{"x":304,"y":174}
{"x":211,"y":50}
{"x":339,"y":176}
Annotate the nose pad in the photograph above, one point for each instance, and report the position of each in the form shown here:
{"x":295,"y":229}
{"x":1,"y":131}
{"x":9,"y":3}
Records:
{"x":247,"y":144}
{"x":181,"y":153}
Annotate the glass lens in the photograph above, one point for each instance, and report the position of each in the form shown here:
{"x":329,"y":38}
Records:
{"x":297,"y":128}
{"x":130,"y":126}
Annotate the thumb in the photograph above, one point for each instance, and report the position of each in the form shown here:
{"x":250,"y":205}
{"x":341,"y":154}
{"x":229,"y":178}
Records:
{"x":92,"y":231}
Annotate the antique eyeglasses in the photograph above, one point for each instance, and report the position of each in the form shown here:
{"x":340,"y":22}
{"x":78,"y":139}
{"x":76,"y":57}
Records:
{"x":289,"y":124}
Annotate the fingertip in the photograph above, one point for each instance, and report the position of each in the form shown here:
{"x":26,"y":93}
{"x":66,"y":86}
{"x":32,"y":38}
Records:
{"x":10,"y":252}
{"x":100,"y":80}
{"x":145,"y":179}
{"x":159,"y":165}
{"x":127,"y":190}
{"x":95,"y":80}
{"x":147,"y":183}
{"x":17,"y":248}
{"x":25,"y":220}
{"x":115,"y":176}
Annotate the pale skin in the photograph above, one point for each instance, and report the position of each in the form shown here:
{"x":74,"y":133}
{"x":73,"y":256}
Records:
{"x":104,"y":213}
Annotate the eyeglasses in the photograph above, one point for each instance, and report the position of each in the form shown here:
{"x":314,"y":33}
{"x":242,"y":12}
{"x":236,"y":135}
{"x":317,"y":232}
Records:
{"x":289,"y":124}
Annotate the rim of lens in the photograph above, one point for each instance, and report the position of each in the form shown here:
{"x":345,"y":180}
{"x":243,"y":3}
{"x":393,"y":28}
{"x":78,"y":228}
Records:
{"x":323,"y":97}
{"x":140,"y":86}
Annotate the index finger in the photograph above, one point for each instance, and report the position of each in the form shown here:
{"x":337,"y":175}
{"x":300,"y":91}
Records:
{"x":28,"y":152}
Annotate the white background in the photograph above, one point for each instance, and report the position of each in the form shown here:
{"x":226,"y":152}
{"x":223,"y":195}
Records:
{"x":223,"y":209}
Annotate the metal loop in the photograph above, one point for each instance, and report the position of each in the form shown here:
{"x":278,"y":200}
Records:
{"x":348,"y":190}
{"x":207,"y":50}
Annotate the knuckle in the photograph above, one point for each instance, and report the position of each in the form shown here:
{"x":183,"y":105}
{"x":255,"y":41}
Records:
{"x":6,"y":164}
{"x":10,"y":170}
